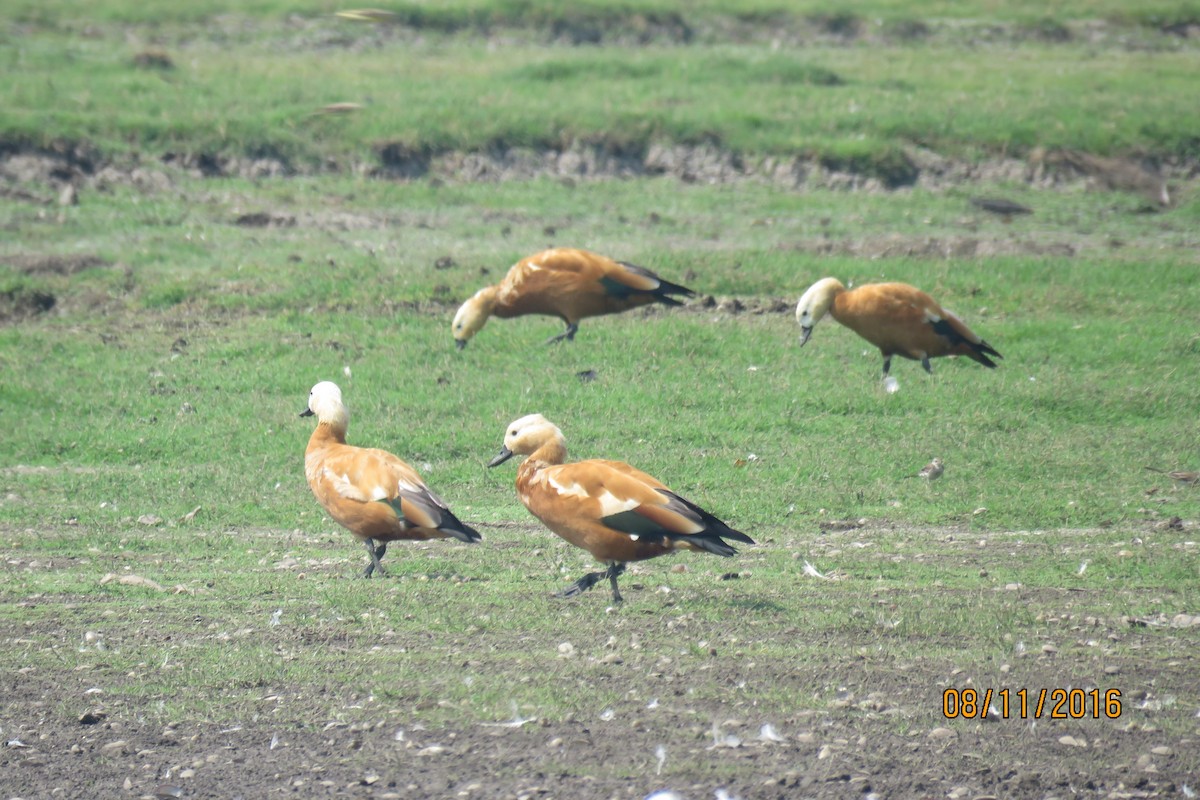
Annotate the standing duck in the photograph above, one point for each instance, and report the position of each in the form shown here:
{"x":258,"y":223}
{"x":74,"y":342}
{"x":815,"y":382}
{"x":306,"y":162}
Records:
{"x":899,"y":319}
{"x":566,"y":283}
{"x":369,"y":492}
{"x":615,"y":512}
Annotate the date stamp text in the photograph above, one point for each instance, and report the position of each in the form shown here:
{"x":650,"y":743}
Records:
{"x":971,"y":703}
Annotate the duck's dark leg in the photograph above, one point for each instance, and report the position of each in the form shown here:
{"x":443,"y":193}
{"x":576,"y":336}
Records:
{"x":887,"y":365}
{"x":925,"y":363}
{"x":376,"y":553}
{"x":582,"y":585}
{"x":592,"y":578}
{"x":568,"y":334}
{"x":615,"y":569}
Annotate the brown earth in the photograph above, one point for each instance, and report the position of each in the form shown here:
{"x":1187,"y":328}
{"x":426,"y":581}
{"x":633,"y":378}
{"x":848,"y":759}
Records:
{"x":880,"y":737}
{"x":23,"y":170}
{"x":860,"y":723}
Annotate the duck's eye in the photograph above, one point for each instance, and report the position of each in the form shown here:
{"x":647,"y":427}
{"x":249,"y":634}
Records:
{"x":513,"y":432}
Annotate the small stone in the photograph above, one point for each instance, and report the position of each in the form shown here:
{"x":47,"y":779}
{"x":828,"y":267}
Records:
{"x":942,"y":733}
{"x":114,"y":747}
{"x":1071,"y":741}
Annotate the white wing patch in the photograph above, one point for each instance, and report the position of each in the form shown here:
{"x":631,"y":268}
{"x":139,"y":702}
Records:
{"x":572,"y":490}
{"x":379,"y":493}
{"x":343,"y":486}
{"x":611,"y":504}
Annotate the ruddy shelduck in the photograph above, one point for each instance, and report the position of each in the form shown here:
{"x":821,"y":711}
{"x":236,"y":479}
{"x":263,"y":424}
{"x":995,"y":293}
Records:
{"x":566,"y":283}
{"x":370,"y":492}
{"x":615,"y":512}
{"x":899,"y":319}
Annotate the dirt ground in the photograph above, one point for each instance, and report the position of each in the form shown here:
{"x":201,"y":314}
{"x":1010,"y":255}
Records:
{"x":858,"y":747}
{"x":861,"y":722}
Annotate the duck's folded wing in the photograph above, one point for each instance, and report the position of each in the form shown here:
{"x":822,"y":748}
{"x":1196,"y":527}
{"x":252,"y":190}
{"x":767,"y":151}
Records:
{"x":369,"y":475}
{"x":629,"y":501}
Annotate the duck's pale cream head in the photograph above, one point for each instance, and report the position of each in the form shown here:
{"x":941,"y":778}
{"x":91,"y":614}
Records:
{"x":473,"y":315}
{"x":325,"y":402}
{"x":526,"y":435}
{"x":814,"y":304}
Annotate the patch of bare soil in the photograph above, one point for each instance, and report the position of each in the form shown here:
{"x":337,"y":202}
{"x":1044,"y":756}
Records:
{"x":898,"y":245}
{"x":65,"y":265}
{"x":572,"y":25}
{"x":882,"y":733}
{"x":866,"y":719}
{"x":80,"y":166}
{"x":23,"y":303}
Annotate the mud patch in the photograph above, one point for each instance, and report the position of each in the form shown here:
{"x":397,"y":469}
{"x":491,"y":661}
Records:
{"x":708,"y":163}
{"x":265,"y":219}
{"x":23,"y":303}
{"x":53,"y":264}
{"x":900,"y":246}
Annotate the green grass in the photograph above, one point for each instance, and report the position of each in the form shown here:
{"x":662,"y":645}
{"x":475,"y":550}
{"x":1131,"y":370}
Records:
{"x":198,"y":311}
{"x":606,"y":14}
{"x":853,"y":107}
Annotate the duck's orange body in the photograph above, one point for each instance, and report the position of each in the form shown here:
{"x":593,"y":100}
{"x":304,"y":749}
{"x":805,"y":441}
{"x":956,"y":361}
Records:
{"x":899,"y":319}
{"x":614,"y":511}
{"x":567,"y":283}
{"x":369,"y":492}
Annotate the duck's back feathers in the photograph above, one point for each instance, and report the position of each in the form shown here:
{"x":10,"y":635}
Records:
{"x":574,"y":284}
{"x":620,"y":513}
{"x":631,"y":279}
{"x":902,"y":320}
{"x":376,"y":495}
{"x":962,"y":341}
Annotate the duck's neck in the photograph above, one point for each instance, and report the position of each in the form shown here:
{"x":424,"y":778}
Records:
{"x":486,"y":298}
{"x":550,"y":454}
{"x":327,"y":433}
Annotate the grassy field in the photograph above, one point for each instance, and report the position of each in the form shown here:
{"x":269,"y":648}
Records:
{"x":246,"y":85}
{"x":178,"y":613}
